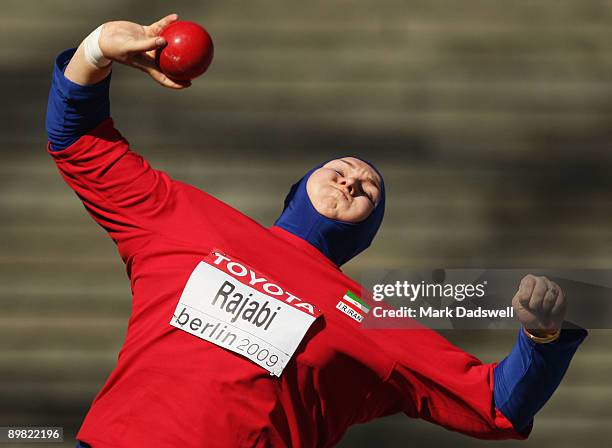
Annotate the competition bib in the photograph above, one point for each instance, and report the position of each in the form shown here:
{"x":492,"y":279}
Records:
{"x":229,"y":304}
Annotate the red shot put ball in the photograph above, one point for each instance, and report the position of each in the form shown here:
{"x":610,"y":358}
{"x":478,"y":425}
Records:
{"x":188,"y":53}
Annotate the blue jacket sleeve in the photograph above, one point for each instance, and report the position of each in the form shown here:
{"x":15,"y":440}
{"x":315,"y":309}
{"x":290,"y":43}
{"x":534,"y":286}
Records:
{"x":73,"y":109}
{"x":528,"y":376}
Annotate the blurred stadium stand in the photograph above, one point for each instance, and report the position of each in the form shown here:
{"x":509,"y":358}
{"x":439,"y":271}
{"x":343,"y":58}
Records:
{"x":490,"y":120}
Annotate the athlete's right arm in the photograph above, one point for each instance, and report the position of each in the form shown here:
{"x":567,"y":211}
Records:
{"x":121,"y":191}
{"x":79,"y":100}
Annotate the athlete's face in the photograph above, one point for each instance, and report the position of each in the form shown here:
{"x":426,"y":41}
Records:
{"x":345,"y":189}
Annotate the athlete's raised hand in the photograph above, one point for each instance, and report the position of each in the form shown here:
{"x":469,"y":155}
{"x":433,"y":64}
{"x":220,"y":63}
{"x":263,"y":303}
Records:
{"x":135,"y":45}
{"x":126,"y":43}
{"x":539,"y":305}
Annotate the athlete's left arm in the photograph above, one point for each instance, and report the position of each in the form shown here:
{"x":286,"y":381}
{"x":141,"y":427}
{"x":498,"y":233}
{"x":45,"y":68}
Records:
{"x":434,"y":380}
{"x":529,"y":375}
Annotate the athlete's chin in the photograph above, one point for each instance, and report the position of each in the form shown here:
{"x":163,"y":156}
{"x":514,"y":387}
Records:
{"x":346,"y":213}
{"x":354,"y":214}
{"x":333,"y":207}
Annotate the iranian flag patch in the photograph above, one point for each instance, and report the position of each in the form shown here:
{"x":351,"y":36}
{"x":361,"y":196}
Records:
{"x":353,"y":306}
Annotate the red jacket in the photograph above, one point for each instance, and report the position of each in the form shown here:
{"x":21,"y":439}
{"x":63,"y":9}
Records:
{"x":172,"y":389}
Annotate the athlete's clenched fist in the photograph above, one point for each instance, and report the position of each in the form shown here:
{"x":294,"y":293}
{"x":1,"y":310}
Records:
{"x":539,"y":304}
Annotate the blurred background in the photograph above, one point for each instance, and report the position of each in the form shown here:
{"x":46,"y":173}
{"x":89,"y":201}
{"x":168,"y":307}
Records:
{"x":491,"y":121}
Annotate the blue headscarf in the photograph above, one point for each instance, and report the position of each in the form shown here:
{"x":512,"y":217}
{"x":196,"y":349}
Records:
{"x":337,"y":240}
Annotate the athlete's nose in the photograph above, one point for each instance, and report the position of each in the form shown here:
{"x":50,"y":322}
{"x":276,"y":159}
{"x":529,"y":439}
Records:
{"x":350,"y":183}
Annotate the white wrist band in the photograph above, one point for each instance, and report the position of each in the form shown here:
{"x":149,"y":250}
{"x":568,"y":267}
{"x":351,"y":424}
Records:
{"x":91,"y":46}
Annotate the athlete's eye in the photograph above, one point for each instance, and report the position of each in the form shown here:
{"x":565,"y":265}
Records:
{"x":370,"y":196}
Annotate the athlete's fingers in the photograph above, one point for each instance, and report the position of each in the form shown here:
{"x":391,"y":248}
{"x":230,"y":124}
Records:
{"x":162,"y":79}
{"x":146,"y":63}
{"x":157,"y":27}
{"x":526,"y":289}
{"x":142,"y":45}
{"x":550,"y":298}
{"x":537,"y":296}
{"x":558,"y":310}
